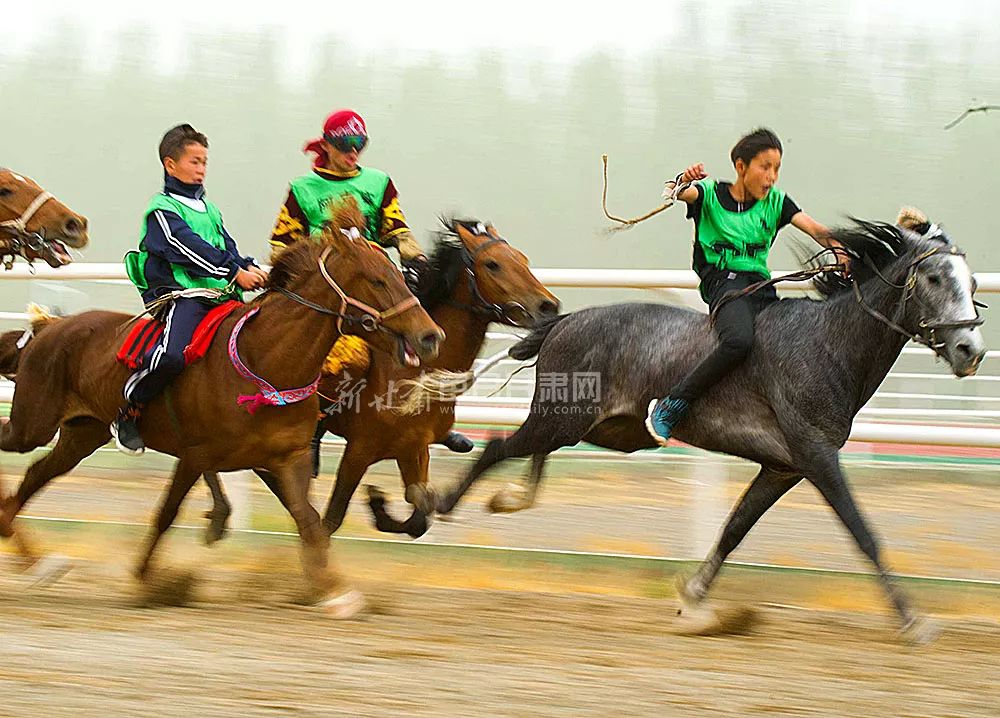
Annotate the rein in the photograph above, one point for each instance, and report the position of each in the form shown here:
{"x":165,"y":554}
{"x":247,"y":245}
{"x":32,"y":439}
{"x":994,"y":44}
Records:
{"x":371,"y":319}
{"x":927,"y":328}
{"x":925,"y":335}
{"x":481,"y":306}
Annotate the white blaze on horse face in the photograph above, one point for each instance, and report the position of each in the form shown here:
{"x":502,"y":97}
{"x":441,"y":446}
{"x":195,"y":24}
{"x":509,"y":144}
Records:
{"x":18,"y":177}
{"x":959,"y":270}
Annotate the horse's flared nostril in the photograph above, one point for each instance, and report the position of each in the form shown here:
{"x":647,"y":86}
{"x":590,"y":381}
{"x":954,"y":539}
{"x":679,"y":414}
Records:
{"x":548,"y":308}
{"x":429,"y":342}
{"x":72,"y":227}
{"x":964,"y":350}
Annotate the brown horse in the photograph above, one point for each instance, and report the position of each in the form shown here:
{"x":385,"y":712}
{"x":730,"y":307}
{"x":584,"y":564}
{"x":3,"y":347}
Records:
{"x":476,"y":278}
{"x":34,"y":224}
{"x":68,"y":380}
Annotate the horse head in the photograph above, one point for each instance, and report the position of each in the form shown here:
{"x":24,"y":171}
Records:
{"x":478,"y":269}
{"x":34,"y":224}
{"x":929,"y":281}
{"x":369,"y":295}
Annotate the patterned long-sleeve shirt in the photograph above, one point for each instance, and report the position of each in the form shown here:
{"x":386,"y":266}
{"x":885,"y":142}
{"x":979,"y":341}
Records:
{"x":292,"y":224}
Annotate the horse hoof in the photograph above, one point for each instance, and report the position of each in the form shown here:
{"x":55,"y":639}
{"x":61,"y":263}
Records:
{"x":214,"y":534}
{"x":509,"y":499}
{"x":47,"y":570}
{"x":375,"y":495}
{"x":343,"y":606}
{"x":422,"y":496}
{"x":167,"y":587}
{"x":689,"y":601}
{"x":920,"y":631}
{"x":708,"y":620}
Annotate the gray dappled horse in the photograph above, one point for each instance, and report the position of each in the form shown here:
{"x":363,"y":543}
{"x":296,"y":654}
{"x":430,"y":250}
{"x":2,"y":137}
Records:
{"x":789,"y":407}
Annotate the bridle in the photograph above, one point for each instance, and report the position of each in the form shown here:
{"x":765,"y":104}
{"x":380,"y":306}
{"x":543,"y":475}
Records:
{"x":926,"y":327}
{"x":20,"y":238}
{"x":480,"y":306}
{"x":368,"y":318}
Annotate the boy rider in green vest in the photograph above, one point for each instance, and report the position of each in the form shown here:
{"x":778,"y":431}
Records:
{"x":184,"y":250}
{"x":735,"y":225}
{"x":335,"y":173}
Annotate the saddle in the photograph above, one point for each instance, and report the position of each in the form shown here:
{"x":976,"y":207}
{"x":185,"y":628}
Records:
{"x":145,"y":336}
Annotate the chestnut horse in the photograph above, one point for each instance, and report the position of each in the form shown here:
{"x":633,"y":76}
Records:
{"x":68,"y":380}
{"x":476,"y":278}
{"x":34,"y":224}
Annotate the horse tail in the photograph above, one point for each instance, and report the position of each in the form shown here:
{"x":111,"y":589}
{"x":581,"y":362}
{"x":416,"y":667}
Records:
{"x":11,"y":343}
{"x":532,"y":344}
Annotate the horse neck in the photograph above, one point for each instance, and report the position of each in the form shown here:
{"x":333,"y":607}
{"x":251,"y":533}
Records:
{"x":287,"y":342}
{"x":464,"y":329}
{"x":870,"y":347}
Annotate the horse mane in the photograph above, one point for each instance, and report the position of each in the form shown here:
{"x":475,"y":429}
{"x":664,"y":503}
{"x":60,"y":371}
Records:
{"x":875,"y":246}
{"x":446,"y":261}
{"x":301,"y":257}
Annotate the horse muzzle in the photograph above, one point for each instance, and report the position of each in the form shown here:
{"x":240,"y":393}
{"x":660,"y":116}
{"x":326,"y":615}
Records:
{"x":413,"y":351}
{"x":965,"y":352}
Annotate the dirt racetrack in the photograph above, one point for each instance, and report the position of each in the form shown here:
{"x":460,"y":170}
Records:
{"x":244,"y":646}
{"x":474,"y":632}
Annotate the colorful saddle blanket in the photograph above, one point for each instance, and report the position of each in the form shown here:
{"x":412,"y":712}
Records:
{"x":145,"y":336}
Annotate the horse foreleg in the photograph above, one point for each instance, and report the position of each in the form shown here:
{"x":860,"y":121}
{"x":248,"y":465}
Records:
{"x":337,"y":598}
{"x":415,"y":526}
{"x":413,"y":468}
{"x":518,"y":497}
{"x":78,"y":439}
{"x":353,"y":465}
{"x":180,"y":485}
{"x":828,"y":477}
{"x":218,"y":515}
{"x":762,"y":493}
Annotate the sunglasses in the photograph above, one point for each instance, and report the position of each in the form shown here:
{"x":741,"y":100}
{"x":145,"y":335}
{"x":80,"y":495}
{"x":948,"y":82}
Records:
{"x":346,"y":143}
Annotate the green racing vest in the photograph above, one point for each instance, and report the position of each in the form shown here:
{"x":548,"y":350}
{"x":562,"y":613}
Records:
{"x":315,"y":195}
{"x":738,"y":241}
{"x":207,"y":225}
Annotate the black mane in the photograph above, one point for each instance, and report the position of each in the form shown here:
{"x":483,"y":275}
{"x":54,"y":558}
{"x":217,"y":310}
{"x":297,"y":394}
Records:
{"x":878,"y":245}
{"x":446,"y":262}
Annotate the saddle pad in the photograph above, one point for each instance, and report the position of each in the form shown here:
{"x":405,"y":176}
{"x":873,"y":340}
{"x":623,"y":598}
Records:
{"x":145,"y":336}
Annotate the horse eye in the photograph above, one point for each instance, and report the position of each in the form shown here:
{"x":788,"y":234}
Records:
{"x":378,"y":284}
{"x":934,"y":279}
{"x":6,"y":191}
{"x":493,"y":265}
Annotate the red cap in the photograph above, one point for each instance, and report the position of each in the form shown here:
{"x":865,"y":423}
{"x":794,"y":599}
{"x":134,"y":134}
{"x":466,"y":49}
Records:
{"x":344,"y":122}
{"x":339,"y":124}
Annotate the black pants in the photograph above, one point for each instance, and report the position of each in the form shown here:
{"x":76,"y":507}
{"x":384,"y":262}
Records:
{"x":167,"y":361}
{"x":734,"y":325}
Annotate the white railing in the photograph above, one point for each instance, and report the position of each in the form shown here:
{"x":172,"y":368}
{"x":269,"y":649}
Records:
{"x":512,"y":410}
{"x":988,"y":282}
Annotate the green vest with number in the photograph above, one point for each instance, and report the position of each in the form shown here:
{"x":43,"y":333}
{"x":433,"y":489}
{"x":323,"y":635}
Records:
{"x":738,"y":241}
{"x":316,"y":194}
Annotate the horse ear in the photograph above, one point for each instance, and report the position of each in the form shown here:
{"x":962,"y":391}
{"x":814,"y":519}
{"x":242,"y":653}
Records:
{"x":472,"y":237}
{"x":910,"y":218}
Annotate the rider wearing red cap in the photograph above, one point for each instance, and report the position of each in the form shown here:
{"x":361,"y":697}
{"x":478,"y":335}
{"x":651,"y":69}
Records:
{"x":336,"y":172}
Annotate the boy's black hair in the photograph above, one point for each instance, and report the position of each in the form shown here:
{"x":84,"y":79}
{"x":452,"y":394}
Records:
{"x":753,"y":144}
{"x":177,"y":138}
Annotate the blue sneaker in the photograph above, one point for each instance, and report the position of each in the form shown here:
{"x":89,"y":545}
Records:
{"x":663,"y":415}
